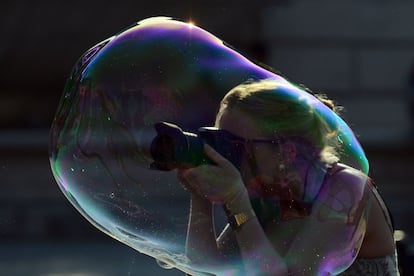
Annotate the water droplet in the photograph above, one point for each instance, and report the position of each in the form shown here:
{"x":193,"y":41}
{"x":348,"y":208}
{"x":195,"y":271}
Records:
{"x":165,"y":263}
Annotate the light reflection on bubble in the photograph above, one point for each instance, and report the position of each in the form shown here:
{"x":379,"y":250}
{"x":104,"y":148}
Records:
{"x":166,"y":264}
{"x":157,"y":70}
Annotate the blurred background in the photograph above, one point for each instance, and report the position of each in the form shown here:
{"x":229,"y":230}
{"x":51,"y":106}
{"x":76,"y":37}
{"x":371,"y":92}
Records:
{"x":360,"y":53}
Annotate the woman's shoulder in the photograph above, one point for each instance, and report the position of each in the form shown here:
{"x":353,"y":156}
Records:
{"x":339,"y":174}
{"x":344,"y":195}
{"x":345,"y":184}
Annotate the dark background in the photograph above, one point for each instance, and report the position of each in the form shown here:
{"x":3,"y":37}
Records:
{"x":358,"y":52}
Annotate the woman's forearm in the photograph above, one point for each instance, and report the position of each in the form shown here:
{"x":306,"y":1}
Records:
{"x":201,"y":243}
{"x":259,"y":255}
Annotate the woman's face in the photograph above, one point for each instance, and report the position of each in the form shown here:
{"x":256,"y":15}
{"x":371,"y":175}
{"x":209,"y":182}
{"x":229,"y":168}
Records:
{"x":266,"y":155}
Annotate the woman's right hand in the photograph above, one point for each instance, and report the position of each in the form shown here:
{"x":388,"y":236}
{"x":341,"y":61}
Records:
{"x":220,"y":183}
{"x":190,"y":187}
{"x":186,"y":185}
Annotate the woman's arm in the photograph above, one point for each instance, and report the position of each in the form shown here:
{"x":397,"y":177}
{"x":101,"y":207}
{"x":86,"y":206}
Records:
{"x":258,"y":254}
{"x":222,"y":183}
{"x":332,"y":235}
{"x":201,"y":243}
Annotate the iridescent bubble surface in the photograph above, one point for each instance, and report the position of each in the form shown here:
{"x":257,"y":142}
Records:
{"x":157,"y":70}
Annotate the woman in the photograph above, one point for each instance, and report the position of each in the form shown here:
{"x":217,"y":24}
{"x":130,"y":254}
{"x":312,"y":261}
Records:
{"x":292,"y":208}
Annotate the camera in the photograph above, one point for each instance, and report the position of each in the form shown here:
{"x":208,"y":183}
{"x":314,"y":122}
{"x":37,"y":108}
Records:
{"x":173,"y":148}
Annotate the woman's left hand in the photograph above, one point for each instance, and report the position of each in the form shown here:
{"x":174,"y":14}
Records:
{"x":220,"y":183}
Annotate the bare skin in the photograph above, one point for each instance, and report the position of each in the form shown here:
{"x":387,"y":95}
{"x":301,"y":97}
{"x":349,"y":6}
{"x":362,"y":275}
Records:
{"x":378,"y":239}
{"x":263,"y":251}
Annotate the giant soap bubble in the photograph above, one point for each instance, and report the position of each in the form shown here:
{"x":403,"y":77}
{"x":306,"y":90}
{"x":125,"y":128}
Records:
{"x":115,"y":100}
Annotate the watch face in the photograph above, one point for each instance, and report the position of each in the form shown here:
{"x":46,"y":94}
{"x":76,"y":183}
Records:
{"x":237,"y":220}
{"x":241,"y":218}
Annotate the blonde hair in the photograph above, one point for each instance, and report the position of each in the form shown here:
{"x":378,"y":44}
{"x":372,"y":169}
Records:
{"x":287,"y":111}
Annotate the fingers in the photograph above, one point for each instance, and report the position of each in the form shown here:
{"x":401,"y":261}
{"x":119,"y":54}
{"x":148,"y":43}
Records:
{"x":213,"y":182}
{"x":187,"y":174}
{"x":189,"y":179}
{"x":199,"y":174}
{"x":180,"y":175}
{"x":217,"y":157}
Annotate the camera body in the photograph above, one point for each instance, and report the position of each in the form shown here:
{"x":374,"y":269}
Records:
{"x":173,"y":148}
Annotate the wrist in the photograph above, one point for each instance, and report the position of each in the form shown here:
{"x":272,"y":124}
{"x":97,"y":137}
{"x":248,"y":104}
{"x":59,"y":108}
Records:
{"x":236,"y":221}
{"x":239,"y":210}
{"x":238,"y":203}
{"x":200,"y":201}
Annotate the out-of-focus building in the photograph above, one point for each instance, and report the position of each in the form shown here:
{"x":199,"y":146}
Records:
{"x":357,"y":52}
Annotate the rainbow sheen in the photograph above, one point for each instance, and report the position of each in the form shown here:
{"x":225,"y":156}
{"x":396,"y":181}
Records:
{"x":159,"y":69}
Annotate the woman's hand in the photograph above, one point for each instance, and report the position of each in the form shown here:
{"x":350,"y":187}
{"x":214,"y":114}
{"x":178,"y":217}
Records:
{"x":220,"y":183}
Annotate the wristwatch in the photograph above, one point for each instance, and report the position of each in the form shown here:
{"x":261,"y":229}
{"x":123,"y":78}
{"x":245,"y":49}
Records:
{"x":237,"y":220}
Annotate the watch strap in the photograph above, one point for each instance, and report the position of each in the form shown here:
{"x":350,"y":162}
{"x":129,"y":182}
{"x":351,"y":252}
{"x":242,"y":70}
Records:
{"x":238,"y":219}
